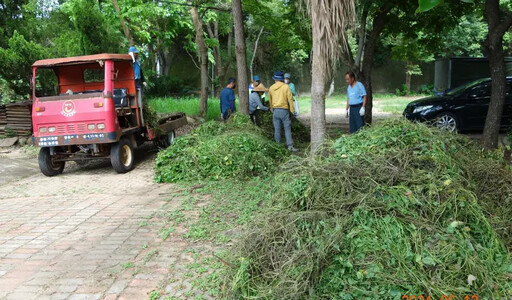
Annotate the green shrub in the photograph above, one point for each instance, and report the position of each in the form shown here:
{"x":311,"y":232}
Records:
{"x":396,"y":209}
{"x":217,"y":150}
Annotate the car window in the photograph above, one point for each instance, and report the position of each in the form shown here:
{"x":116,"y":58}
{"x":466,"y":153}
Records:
{"x":464,"y":87}
{"x":481,"y":91}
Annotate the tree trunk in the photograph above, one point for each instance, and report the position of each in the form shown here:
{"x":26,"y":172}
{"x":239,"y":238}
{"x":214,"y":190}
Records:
{"x":317,"y":93}
{"x":126,"y":30}
{"x":331,"y":88}
{"x":369,"y":50}
{"x":408,"y":78}
{"x":241,"y":58}
{"x":255,"y":49}
{"x":202,"y":52}
{"x":214,"y":34}
{"x":493,"y":47}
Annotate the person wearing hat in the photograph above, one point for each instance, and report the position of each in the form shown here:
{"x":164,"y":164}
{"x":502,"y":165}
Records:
{"x":289,"y":83}
{"x":227,"y":99}
{"x":255,"y":82}
{"x":255,"y":104}
{"x":137,"y":70}
{"x":281,"y":103}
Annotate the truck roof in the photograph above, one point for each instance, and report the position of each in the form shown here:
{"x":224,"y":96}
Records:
{"x":81,"y":59}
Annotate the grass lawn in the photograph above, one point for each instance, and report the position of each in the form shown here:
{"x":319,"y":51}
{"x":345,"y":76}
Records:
{"x":389,"y":103}
{"x":188,"y":105}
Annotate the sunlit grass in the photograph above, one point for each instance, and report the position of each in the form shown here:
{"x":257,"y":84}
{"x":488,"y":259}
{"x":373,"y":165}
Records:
{"x":389,"y":103}
{"x":188,"y":105}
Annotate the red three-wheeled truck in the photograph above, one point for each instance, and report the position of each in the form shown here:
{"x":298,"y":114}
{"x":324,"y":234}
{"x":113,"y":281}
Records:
{"x":96,"y":112}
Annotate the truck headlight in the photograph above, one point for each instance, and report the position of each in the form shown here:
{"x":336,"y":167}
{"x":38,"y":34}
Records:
{"x":42,"y":129}
{"x":51,"y":129}
{"x":100,"y":126}
{"x":91,"y":126}
{"x":421,"y":108}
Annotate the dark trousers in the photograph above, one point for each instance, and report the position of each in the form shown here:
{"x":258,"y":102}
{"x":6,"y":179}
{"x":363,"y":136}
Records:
{"x":355,"y":121}
{"x":256,"y":117}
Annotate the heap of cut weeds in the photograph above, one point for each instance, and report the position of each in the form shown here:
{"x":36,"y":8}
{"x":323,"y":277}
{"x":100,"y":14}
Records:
{"x":397,"y":209}
{"x":300,"y":133}
{"x":218,"y":150}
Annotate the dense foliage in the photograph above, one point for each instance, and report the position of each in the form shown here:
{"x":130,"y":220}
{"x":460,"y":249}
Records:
{"x":393,"y":210}
{"x":220,"y":150}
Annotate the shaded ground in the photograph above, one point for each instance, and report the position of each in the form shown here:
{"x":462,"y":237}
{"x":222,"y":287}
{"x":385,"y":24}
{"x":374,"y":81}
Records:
{"x":91,"y":233}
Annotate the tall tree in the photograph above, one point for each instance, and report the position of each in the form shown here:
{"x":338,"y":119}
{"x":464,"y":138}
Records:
{"x":329,"y":19}
{"x":241,"y":58}
{"x":499,"y":21}
{"x":126,"y":30}
{"x":202,"y":52}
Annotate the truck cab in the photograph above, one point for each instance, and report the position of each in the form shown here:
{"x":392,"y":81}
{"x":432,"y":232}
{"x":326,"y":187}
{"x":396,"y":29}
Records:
{"x":88,"y":107}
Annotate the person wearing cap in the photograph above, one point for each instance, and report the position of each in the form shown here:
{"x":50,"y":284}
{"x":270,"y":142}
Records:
{"x":289,"y":83}
{"x":281,"y":103}
{"x":255,"y":104}
{"x":356,"y":101}
{"x":255,"y":82}
{"x":227,"y":99}
{"x":137,"y":70}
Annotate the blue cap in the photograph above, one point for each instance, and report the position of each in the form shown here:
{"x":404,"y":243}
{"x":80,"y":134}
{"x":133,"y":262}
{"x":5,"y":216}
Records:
{"x":287,"y":75}
{"x":256,"y":78}
{"x":278,"y":76}
{"x":133,"y":49}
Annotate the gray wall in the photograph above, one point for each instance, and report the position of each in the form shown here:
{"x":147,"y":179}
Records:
{"x":385,"y":79}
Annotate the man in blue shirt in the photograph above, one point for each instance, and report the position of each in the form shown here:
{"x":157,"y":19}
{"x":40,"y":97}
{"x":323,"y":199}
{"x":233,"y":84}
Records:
{"x":356,"y":101}
{"x":137,"y":70}
{"x":227,"y":99}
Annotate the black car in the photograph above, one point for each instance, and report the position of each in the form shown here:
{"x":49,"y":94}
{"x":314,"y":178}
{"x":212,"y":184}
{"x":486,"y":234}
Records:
{"x":463,"y":109}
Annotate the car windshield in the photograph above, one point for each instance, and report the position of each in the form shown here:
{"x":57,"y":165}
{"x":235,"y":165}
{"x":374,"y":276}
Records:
{"x":463,"y":87}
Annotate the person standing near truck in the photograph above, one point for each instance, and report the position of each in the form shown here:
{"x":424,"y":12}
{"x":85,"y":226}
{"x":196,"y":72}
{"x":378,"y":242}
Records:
{"x":140,"y":81}
{"x":227,"y":99}
{"x":356,"y":101}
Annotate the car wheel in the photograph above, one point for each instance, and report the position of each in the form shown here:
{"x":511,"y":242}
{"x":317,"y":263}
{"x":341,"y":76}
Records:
{"x":48,"y":166}
{"x":447,"y":121}
{"x":122,"y":156}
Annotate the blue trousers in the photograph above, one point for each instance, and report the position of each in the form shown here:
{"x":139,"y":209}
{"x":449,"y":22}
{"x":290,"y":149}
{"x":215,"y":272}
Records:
{"x":355,"y":121}
{"x":281,"y":118}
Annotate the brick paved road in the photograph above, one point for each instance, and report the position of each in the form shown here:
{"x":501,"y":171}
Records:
{"x":81,"y":235}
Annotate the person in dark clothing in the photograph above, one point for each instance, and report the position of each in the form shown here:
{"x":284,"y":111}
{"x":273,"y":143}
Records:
{"x":227,"y":99}
{"x":256,"y":106}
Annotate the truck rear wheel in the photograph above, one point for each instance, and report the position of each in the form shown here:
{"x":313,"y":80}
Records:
{"x":166,"y":140}
{"x":48,"y":166}
{"x":122,"y":156}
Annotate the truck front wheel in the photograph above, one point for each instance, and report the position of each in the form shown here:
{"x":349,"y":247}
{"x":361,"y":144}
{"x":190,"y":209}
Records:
{"x":48,"y":166}
{"x":122,"y":156}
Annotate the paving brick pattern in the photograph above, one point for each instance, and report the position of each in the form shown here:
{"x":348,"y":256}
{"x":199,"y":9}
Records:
{"x":81,"y":236}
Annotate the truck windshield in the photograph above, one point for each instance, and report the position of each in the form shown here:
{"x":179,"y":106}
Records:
{"x":66,"y":81}
{"x":46,"y":83}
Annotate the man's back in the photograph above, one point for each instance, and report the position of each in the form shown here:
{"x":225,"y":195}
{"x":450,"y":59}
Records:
{"x":280,"y":96}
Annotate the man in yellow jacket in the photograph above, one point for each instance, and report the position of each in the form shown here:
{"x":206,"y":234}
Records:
{"x":281,"y":103}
